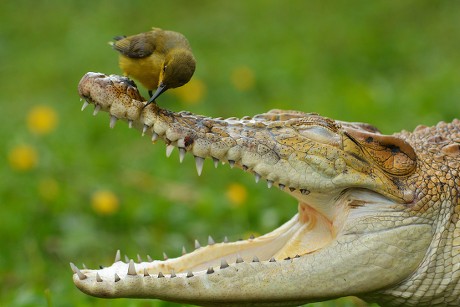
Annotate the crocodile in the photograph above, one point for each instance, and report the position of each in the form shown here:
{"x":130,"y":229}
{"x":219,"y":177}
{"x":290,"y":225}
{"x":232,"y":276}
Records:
{"x":378,"y":215}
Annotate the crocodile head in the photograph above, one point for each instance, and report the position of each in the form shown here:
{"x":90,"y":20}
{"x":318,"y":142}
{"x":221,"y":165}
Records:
{"x":354,"y":233}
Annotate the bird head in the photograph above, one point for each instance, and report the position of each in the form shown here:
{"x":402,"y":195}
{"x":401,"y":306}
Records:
{"x":178,"y":68}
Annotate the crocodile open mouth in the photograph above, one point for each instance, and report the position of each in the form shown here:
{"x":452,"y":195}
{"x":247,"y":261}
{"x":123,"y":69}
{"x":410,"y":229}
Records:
{"x":308,"y":231}
{"x":323,"y":164}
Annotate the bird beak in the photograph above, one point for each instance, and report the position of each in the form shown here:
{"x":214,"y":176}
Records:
{"x":157,"y":93}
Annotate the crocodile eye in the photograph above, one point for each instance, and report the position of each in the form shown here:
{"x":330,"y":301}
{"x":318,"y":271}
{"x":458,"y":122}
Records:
{"x":392,"y":154}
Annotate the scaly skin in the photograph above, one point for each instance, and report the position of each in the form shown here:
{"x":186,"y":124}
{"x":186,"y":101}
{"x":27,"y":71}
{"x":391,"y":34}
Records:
{"x":378,"y":214}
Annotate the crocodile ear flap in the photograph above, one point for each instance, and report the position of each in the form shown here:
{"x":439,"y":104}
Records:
{"x":392,"y":154}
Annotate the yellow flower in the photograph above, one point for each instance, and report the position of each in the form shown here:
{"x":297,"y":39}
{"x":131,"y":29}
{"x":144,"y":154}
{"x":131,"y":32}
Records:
{"x":23,"y":158}
{"x":192,"y":92}
{"x":48,"y":189}
{"x":243,"y":78}
{"x":42,"y":120}
{"x":104,"y":202}
{"x":236,"y":194}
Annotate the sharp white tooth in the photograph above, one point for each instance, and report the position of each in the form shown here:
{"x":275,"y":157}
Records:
{"x":146,"y":273}
{"x":231,"y":163}
{"x":281,"y":186}
{"x":149,"y":259}
{"x":117,"y":256}
{"x":117,"y":278}
{"x":225,"y":239}
{"x":173,"y":274}
{"x":97,"y":108}
{"x":269,"y":183}
{"x":154,"y":137}
{"x":81,"y":276}
{"x":239,"y":259}
{"x":210,"y":240}
{"x":84,"y":266}
{"x":144,"y":130}
{"x":113,"y":121}
{"x":256,"y":177}
{"x":184,"y":251}
{"x":197,"y":244}
{"x":182,"y":152}
{"x":199,"y":164}
{"x":160,"y":275}
{"x":223,"y":263}
{"x":165,"y":257}
{"x":216,"y":162}
{"x":131,"y":268}
{"x":98,"y":278}
{"x":130,"y":124}
{"x":189,"y":274}
{"x":85,"y":104}
{"x":255,"y":259}
{"x":139,"y":259}
{"x":169,"y":150}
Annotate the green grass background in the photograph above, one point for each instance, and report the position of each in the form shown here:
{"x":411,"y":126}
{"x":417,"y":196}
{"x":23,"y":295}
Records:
{"x":394,"y":64}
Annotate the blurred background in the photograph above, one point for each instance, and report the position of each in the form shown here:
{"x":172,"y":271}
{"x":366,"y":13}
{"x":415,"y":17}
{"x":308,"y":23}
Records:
{"x":72,"y":190}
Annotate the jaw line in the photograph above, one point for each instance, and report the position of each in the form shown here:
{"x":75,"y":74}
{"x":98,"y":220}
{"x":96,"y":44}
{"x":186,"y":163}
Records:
{"x":308,"y":231}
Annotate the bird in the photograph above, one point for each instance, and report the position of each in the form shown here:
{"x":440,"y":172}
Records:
{"x":159,"y":59}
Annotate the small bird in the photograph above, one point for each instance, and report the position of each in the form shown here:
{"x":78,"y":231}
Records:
{"x":158,"y":59}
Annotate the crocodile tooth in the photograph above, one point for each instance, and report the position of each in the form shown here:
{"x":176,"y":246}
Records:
{"x":149,"y":259}
{"x":251,"y":237}
{"x":146,"y":273}
{"x":131,"y":268}
{"x":182,"y":152}
{"x":210,"y":240}
{"x":255,"y":259}
{"x":84,"y":266}
{"x":291,"y":189}
{"x":113,"y":121}
{"x":117,"y":256}
{"x":85,"y":104}
{"x":154,"y":136}
{"x":225,"y":239}
{"x":197,"y":244}
{"x":139,"y":259}
{"x":304,"y":191}
{"x":160,"y":275}
{"x":74,"y":268}
{"x":272,"y":259}
{"x":210,"y":270}
{"x":269,"y":183}
{"x":144,"y":129}
{"x":169,"y":150}
{"x":281,"y":186}
{"x":97,"y":108}
{"x":245,"y":167}
{"x":117,"y":278}
{"x":173,"y":274}
{"x":199,"y":164}
{"x":98,"y":278}
{"x":165,"y":257}
{"x":297,"y":256}
{"x":239,"y":259}
{"x":256,"y":177}
{"x":101,"y":267}
{"x":223,"y":263}
{"x":189,"y":274}
{"x":216,"y":162}
{"x":184,"y":251}
{"x":231,"y":163}
{"x":126,"y":259}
